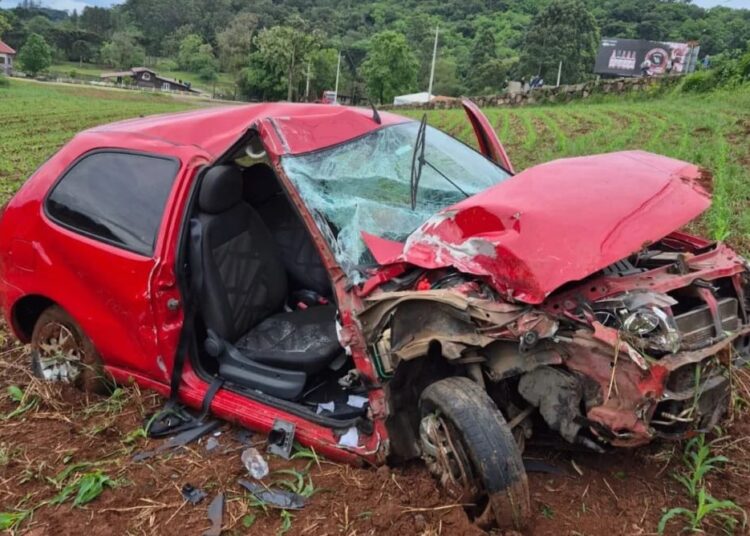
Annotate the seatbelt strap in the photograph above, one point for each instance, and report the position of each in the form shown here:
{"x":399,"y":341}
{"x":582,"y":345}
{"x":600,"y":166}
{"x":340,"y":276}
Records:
{"x":173,"y":418}
{"x":216,"y":384}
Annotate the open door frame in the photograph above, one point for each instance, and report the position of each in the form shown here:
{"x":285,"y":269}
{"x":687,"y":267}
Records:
{"x":489,"y":144}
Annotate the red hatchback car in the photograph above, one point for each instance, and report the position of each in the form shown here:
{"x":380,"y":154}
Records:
{"x":388,"y":290}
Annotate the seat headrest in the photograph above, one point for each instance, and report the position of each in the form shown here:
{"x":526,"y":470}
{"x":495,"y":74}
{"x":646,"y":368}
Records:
{"x":221,"y":189}
{"x":261,"y":184}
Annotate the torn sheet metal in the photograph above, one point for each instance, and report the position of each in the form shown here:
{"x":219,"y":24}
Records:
{"x":276,"y":498}
{"x":378,"y":307}
{"x":548,"y":226}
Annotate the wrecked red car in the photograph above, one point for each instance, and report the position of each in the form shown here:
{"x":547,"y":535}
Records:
{"x":379,"y":288}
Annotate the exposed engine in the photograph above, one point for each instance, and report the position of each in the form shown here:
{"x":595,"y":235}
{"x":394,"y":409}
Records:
{"x":637,"y":351}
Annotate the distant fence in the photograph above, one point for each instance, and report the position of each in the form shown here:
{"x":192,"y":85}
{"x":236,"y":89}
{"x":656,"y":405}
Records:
{"x":87,"y":80}
{"x":549,"y":94}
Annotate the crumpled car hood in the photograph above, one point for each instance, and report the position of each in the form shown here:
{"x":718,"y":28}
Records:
{"x":556,"y":222}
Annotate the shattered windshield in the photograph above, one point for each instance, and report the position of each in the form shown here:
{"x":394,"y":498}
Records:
{"x":364,"y":185}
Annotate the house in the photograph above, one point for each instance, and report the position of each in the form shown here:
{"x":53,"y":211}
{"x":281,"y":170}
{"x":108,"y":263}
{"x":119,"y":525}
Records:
{"x":144,"y":77}
{"x":6,"y":59}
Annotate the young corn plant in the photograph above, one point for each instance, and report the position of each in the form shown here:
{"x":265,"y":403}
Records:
{"x":12,"y":520}
{"x":24,"y":402}
{"x":699,"y":462}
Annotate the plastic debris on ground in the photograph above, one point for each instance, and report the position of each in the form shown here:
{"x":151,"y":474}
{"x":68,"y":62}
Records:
{"x":212,"y":444}
{"x":179,"y":440}
{"x":215,"y":515}
{"x":192,"y":495}
{"x":274,"y":497}
{"x":254,"y":462}
{"x":244,"y":436}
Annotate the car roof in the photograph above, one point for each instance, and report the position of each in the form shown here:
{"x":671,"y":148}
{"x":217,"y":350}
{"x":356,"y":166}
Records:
{"x":298,"y":128}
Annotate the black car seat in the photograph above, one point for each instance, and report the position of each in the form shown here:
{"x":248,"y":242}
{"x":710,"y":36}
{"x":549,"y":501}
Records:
{"x":241,"y":285}
{"x":298,"y":253}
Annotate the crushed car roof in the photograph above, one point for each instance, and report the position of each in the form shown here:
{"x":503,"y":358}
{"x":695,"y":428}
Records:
{"x":298,"y":128}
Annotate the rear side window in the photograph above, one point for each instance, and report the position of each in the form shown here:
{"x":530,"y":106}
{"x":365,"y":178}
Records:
{"x":115,"y":197}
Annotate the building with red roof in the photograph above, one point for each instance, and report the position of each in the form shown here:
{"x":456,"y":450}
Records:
{"x":6,"y":58}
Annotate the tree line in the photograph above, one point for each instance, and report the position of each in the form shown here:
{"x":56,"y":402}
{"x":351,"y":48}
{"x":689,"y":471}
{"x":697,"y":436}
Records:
{"x":289,"y":49}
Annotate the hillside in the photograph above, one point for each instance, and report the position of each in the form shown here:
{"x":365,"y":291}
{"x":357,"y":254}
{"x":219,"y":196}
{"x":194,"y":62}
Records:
{"x":268,"y":47}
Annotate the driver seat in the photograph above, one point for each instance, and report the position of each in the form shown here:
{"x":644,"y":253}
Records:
{"x":241,"y":287}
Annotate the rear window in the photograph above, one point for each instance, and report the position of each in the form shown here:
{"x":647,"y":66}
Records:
{"x":115,"y":197}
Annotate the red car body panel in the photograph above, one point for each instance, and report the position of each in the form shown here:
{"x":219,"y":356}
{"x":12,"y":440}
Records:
{"x":489,"y":143}
{"x":129,"y":322}
{"x":297,"y":128}
{"x":548,"y":225}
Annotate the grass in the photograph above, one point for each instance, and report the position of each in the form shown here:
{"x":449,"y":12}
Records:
{"x":709,"y":130}
{"x":37,"y":119}
{"x":699,"y":461}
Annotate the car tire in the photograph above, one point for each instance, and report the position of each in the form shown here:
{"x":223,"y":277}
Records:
{"x":482,"y":441}
{"x":59,"y":347}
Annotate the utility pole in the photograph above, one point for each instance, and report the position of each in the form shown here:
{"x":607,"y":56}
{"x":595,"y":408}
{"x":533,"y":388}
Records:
{"x":559,"y":73}
{"x":307,"y":83}
{"x":336,"y":89}
{"x":434,"y":58}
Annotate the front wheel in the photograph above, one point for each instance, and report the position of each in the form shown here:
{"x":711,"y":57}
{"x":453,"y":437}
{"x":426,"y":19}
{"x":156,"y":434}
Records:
{"x":468,"y":446}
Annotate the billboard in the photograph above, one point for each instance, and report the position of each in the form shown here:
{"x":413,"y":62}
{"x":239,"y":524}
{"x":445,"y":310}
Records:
{"x":635,"y":57}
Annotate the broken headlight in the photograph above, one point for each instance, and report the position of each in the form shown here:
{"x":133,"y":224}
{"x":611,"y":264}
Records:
{"x":641,"y":322}
{"x":643,"y":319}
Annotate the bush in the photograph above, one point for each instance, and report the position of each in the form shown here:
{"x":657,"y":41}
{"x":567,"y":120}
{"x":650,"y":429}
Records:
{"x":700,"y":82}
{"x":743,"y":67}
{"x":167,"y":65}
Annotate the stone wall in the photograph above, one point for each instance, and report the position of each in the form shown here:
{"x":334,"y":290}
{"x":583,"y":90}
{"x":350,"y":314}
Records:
{"x":550,"y":94}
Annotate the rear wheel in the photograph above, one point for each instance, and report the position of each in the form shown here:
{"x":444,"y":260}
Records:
{"x":61,"y":351}
{"x":468,"y":446}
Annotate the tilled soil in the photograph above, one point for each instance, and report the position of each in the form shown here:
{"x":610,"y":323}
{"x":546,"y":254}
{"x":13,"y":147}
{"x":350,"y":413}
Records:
{"x":620,"y":493}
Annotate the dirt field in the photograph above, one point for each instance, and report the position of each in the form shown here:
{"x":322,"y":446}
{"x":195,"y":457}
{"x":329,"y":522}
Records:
{"x":54,"y":440}
{"x":621,"y":493}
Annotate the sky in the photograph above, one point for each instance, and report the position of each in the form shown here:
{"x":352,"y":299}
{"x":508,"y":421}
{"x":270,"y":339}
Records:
{"x":80,"y":4}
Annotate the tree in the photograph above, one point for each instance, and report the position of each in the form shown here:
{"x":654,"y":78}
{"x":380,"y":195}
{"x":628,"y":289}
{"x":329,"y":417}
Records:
{"x":35,"y":55}
{"x":4,"y":24}
{"x":486,"y":73}
{"x":446,"y":77}
{"x":96,"y":20}
{"x":280,"y":59}
{"x":565,"y":31}
{"x":236,"y":42}
{"x":81,"y":50}
{"x":122,"y":51}
{"x":390,"y":67}
{"x":198,"y":57}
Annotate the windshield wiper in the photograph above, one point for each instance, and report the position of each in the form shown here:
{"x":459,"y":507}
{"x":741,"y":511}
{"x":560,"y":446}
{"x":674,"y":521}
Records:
{"x":418,"y":162}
